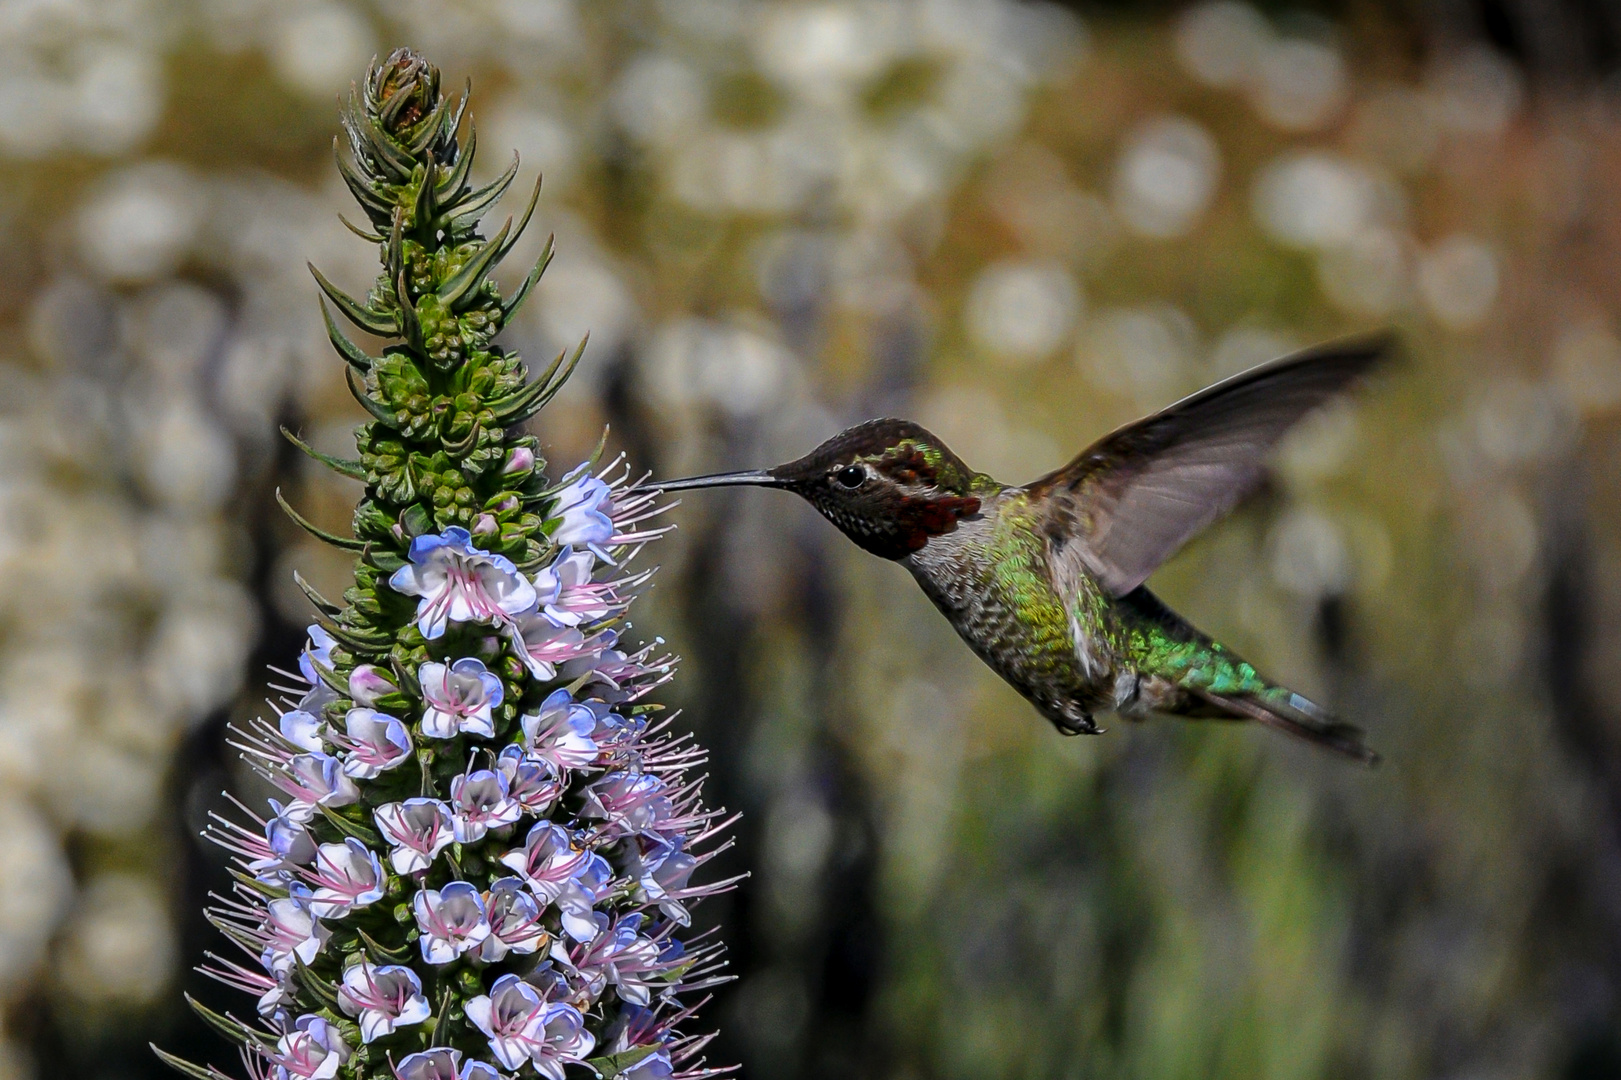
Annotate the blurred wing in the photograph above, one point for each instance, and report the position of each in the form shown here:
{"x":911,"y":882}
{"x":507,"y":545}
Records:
{"x":1138,"y":494}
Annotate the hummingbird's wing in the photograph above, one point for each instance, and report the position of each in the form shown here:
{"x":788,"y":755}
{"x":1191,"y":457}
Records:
{"x":1135,"y":496}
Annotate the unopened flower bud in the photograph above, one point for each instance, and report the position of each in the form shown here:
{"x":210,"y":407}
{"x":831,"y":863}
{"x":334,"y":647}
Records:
{"x":367,"y":683}
{"x":520,"y":461}
{"x":485,"y":525}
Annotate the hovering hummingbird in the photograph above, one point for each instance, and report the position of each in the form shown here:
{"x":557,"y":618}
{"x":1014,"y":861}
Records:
{"x":1045,"y":581}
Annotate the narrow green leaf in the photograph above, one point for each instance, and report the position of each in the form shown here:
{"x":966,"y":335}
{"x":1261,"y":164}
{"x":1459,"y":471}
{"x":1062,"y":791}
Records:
{"x":353,"y":354}
{"x":186,"y":1068}
{"x":357,"y":313}
{"x":466,"y":280}
{"x":379,"y":412}
{"x":351,"y":828}
{"x":316,"y":531}
{"x":383,"y":952}
{"x":226,"y":1026}
{"x":342,"y":466}
{"x":523,"y":219}
{"x":472,"y":207}
{"x":510,"y":308}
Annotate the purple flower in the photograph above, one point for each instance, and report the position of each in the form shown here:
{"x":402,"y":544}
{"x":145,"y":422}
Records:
{"x":452,"y":921}
{"x":440,"y":1063}
{"x":459,"y":698}
{"x":382,"y":998}
{"x":303,"y":729}
{"x":522,"y":1026}
{"x":367,"y":683}
{"x":314,"y":780}
{"x":479,"y":802}
{"x":584,"y":504}
{"x":458,"y":582}
{"x":514,"y":918}
{"x":532,"y":782}
{"x":317,"y":651}
{"x":662,"y":869}
{"x":291,"y":930}
{"x":346,"y":876}
{"x":377,"y":742}
{"x":311,"y":1051}
{"x":619,"y":956}
{"x":417,"y":829}
{"x":630,"y":802}
{"x":655,"y":1066}
{"x":561,"y":732}
{"x":568,"y":596}
{"x":543,"y":646}
{"x":287,"y":845}
{"x":558,"y":872}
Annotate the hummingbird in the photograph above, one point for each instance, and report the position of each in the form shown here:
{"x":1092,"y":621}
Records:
{"x":1044,"y":581}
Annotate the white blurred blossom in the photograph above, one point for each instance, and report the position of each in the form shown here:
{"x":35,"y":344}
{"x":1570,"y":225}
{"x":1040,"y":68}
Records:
{"x":1221,"y":42}
{"x":1166,"y":176}
{"x":1023,"y":311}
{"x":1458,"y":279}
{"x":1145,"y":353}
{"x":1313,"y":199}
{"x":1476,"y":91}
{"x":1299,"y":84}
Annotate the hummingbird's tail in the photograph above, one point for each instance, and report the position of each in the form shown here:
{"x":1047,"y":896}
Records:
{"x":1290,"y":712}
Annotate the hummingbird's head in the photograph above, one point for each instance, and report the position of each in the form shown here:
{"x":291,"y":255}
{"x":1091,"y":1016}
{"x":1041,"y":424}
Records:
{"x":889,"y":485}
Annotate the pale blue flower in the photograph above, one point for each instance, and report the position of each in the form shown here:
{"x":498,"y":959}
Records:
{"x":532,"y":782}
{"x":584,"y":504}
{"x":630,"y":802}
{"x":522,"y":1026}
{"x":560,"y":732}
{"x":452,"y":921}
{"x":457,"y":582}
{"x":440,"y":1063}
{"x":382,"y":998}
{"x":317,"y":651}
{"x":514,"y":917}
{"x":289,"y":845}
{"x":313,"y":1050}
{"x":377,"y":742}
{"x":479,"y":802}
{"x":619,"y":956}
{"x":291,"y":930}
{"x":315,"y":780}
{"x":560,"y":873}
{"x":417,"y":829}
{"x":304,"y":730}
{"x":543,"y":646}
{"x":655,"y":1066}
{"x":662,"y":869}
{"x":346,"y":876}
{"x":460,"y":698}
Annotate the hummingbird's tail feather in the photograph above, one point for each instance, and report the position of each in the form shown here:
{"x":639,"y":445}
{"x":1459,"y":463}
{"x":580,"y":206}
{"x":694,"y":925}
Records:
{"x":1301,"y":718}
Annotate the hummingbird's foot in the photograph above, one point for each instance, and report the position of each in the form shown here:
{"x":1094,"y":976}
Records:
{"x":1078,"y":725}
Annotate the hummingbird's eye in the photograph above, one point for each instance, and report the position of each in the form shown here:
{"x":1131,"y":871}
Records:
{"x":851,"y":476}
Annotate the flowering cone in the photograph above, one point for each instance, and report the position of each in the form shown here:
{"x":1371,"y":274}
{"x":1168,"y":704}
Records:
{"x":482,"y":860}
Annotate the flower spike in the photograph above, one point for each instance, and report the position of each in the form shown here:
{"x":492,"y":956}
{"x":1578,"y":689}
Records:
{"x":485,"y":854}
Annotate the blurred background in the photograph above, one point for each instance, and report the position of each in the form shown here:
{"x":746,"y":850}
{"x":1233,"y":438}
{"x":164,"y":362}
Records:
{"x":1020,"y":224}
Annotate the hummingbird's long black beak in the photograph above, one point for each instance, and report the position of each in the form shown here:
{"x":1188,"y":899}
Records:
{"x":751,"y":478}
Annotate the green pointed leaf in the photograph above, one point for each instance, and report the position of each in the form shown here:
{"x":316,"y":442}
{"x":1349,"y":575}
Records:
{"x":466,"y":280}
{"x":466,"y":213}
{"x":322,"y":604}
{"x":379,"y":412}
{"x":231,"y":1029}
{"x":186,"y":1068}
{"x":523,"y":219}
{"x":382,"y":952}
{"x":375,"y":322}
{"x":360,"y":832}
{"x":510,"y":308}
{"x":342,"y":466}
{"x":316,"y":531}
